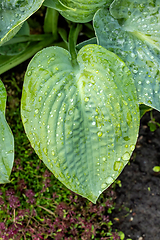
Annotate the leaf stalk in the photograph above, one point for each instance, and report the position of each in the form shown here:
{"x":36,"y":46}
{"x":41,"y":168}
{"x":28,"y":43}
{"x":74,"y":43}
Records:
{"x":73,"y":35}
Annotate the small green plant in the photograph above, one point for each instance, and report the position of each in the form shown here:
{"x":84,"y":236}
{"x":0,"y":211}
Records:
{"x":156,"y":169}
{"x":81,"y":103}
{"x":152,"y":123}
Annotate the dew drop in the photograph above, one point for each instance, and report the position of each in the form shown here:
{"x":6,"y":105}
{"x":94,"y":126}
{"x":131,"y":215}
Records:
{"x":124,"y":102}
{"x":126,"y":156}
{"x":25,"y":120}
{"x":11,"y":151}
{"x":103,"y":186}
{"x":118,"y":166}
{"x":36,"y":111}
{"x":52,"y":59}
{"x":126,"y":138}
{"x":132,"y":147}
{"x":99,"y":134}
{"x":40,"y":98}
{"x":70,"y":112}
{"x":53,"y":153}
{"x":45,"y":151}
{"x":29,"y":73}
{"x":129,"y":118}
{"x":109,"y":180}
{"x":86,"y":99}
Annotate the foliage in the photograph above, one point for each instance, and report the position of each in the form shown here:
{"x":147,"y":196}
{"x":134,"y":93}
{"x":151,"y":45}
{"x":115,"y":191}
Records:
{"x":35,"y":205}
{"x":81,"y":111}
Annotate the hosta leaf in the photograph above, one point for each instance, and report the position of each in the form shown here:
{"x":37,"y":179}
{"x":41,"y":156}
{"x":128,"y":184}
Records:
{"x":6,"y":140}
{"x":82,"y":122}
{"x":136,"y":40}
{"x":125,"y":8}
{"x":13,"y":14}
{"x":86,"y":42}
{"x":55,"y":4}
{"x":10,"y":49}
{"x":77,"y":10}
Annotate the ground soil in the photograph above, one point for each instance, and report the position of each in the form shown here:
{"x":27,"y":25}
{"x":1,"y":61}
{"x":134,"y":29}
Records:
{"x":137,"y":211}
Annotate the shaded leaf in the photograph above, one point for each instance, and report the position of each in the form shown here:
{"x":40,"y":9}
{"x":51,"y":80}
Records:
{"x":77,"y":11}
{"x":6,"y":140}
{"x":13,"y":14}
{"x":55,"y":4}
{"x":10,"y":49}
{"x":143,"y":109}
{"x":86,"y":42}
{"x":136,"y":41}
{"x":82,"y":122}
{"x":8,"y":62}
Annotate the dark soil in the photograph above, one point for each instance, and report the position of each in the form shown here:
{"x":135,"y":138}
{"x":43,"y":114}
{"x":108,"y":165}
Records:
{"x":137,"y":212}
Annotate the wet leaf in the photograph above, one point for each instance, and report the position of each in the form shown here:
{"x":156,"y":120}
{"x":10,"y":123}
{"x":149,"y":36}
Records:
{"x":135,"y":38}
{"x":55,"y":4}
{"x":86,"y":42}
{"x":82,"y":121}
{"x":13,"y":14}
{"x":79,"y":10}
{"x":10,"y":49}
{"x":6,"y":140}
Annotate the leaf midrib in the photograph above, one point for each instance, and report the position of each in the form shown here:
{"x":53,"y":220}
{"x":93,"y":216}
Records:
{"x":146,"y":38}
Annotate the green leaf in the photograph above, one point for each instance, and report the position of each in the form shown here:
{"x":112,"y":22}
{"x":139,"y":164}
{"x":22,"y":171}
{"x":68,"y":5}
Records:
{"x":6,"y":140}
{"x":143,"y":109}
{"x":79,"y":10}
{"x":11,"y":49}
{"x":156,"y":169}
{"x":13,"y":14}
{"x":86,"y":42}
{"x":135,"y":39}
{"x":55,"y":4}
{"x":125,"y":8}
{"x":51,"y":22}
{"x":82,"y":122}
{"x":8,"y":62}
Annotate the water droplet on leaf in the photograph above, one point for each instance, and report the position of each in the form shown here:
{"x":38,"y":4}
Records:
{"x":126,"y":156}
{"x":118,"y":166}
{"x":109,"y":180}
{"x":103,"y":186}
{"x":29,"y":73}
{"x":40,"y":98}
{"x":99,"y":134}
{"x":86,"y":99}
{"x":36,"y":111}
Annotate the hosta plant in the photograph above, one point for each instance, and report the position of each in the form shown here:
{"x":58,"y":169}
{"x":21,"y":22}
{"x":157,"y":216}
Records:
{"x":81,"y":104}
